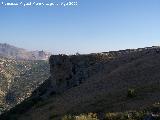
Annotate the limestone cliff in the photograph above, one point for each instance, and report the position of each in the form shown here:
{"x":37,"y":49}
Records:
{"x":70,"y":71}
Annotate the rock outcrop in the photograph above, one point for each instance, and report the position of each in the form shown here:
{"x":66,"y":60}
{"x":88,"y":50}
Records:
{"x":70,"y":71}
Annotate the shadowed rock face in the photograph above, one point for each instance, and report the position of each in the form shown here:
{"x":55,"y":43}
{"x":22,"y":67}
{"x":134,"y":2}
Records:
{"x":61,"y":72}
{"x":69,"y":71}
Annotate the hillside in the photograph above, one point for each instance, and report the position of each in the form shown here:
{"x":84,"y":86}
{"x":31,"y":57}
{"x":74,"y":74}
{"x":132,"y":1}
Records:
{"x":116,"y":81}
{"x":18,"y":78}
{"x":12,"y":52}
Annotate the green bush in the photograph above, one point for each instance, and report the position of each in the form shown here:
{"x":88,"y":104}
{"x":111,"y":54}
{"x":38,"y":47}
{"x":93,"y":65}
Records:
{"x":112,"y":116}
{"x":138,"y":115}
{"x":89,"y":116}
{"x":125,"y":116}
{"x":156,"y":108}
{"x":131,"y":93}
{"x":68,"y":117}
{"x":52,"y":117}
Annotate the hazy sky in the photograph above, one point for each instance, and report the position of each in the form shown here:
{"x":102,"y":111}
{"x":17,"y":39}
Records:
{"x":92,"y":26}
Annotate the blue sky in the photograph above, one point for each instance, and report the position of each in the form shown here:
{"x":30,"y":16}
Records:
{"x":92,"y":26}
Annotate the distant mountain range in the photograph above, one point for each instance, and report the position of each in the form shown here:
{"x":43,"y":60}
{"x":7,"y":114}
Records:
{"x":12,"y":52}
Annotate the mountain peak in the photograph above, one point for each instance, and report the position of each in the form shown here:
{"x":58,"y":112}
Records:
{"x":12,"y":52}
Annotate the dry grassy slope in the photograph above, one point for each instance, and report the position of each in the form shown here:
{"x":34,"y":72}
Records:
{"x":107,"y":91}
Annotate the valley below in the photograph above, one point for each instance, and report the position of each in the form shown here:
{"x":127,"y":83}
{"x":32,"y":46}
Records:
{"x":18,"y":79}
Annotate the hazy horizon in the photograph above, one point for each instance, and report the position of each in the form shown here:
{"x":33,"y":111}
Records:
{"x":91,"y":26}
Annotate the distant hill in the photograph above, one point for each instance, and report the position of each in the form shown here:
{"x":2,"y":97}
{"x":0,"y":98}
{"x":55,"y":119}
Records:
{"x":13,"y":52}
{"x":18,"y":78}
{"x":21,"y":72}
{"x":117,"y":81}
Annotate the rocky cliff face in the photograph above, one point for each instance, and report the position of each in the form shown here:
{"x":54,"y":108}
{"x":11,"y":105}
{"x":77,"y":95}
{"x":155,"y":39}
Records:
{"x":70,"y":71}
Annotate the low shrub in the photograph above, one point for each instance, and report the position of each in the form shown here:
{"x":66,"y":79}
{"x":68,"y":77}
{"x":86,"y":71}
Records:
{"x":68,"y":117}
{"x":112,"y":116}
{"x":89,"y":116}
{"x":125,"y":116}
{"x":156,"y":108}
{"x":52,"y":117}
{"x":131,"y":93}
